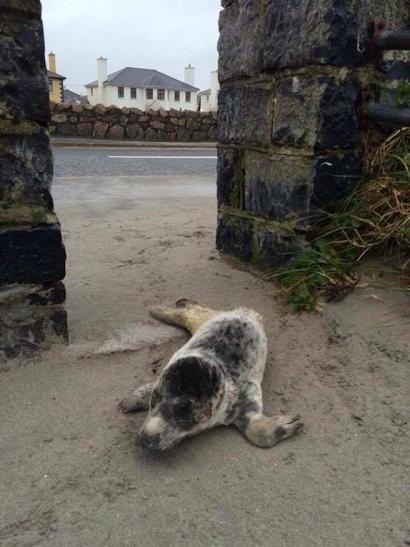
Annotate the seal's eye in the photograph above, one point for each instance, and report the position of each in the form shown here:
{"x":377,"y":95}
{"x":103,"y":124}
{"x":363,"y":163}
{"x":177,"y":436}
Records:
{"x":182,"y":408}
{"x":155,"y":398}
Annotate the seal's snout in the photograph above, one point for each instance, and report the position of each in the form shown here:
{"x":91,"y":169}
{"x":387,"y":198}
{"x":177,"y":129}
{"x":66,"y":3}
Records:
{"x":149,"y":442}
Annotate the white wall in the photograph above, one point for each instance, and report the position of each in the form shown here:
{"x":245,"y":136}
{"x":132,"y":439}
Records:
{"x":213,"y":99}
{"x":205,"y":104}
{"x":109,"y":96}
{"x":209,"y":103}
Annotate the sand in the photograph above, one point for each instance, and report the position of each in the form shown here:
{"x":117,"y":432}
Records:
{"x":70,"y":469}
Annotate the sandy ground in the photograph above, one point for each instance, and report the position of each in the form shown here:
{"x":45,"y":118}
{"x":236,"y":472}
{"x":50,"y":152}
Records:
{"x":71,"y":473}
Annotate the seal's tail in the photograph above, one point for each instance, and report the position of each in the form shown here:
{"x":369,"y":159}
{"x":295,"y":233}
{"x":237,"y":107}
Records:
{"x":186,"y":313}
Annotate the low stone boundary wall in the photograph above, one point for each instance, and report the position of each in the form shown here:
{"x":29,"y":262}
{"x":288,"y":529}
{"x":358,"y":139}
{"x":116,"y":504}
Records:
{"x":131,"y":123}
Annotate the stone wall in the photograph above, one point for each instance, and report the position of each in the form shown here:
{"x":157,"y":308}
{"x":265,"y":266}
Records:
{"x":32,"y":256}
{"x":294,"y":77}
{"x":130,"y":123}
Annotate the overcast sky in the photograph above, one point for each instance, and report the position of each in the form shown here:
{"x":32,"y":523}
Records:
{"x":165,"y":35}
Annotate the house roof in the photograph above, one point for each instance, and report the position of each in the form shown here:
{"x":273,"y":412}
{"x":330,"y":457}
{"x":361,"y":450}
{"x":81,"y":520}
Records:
{"x":51,"y":74}
{"x":144,"y":77}
{"x":206,"y":92}
{"x":72,"y":97}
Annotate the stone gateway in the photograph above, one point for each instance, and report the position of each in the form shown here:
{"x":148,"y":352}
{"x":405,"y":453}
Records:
{"x":32,"y":255}
{"x":294,"y":78}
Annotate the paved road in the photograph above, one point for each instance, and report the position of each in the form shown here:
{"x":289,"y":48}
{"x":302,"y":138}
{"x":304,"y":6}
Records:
{"x":79,"y":162}
{"x":128,"y":178}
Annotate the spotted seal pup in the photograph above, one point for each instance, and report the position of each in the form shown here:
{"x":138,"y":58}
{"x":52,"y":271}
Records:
{"x":214,"y":379}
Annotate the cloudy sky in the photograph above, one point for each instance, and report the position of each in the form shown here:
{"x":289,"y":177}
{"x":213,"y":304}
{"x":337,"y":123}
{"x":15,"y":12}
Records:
{"x":166,"y":35}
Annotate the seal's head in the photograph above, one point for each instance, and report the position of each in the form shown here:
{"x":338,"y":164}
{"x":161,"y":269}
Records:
{"x":184,"y":402}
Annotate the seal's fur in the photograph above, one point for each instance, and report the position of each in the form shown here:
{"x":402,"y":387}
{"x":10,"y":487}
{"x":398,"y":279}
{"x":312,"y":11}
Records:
{"x":214,"y":379}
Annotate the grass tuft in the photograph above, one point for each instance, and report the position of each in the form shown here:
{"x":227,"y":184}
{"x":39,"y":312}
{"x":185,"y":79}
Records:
{"x":374,"y":219}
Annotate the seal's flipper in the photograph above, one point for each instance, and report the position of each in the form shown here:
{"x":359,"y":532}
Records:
{"x":265,"y":431}
{"x":139,"y":400}
{"x":186,"y":313}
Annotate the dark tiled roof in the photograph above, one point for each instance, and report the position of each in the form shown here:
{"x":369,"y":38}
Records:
{"x":51,"y":74}
{"x":144,"y":77}
{"x":206,"y":92}
{"x":72,"y":97}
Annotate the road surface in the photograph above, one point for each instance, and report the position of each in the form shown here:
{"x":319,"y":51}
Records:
{"x":91,"y":161}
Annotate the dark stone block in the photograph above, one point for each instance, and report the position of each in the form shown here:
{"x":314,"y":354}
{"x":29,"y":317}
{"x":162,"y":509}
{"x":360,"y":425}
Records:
{"x":175,"y":113}
{"x":225,"y":3}
{"x":277,"y":201}
{"x":59,"y":324}
{"x":234,"y":236}
{"x":245,"y":114}
{"x":230,"y":178}
{"x":116,"y":132}
{"x":67,"y":130}
{"x":182,"y":134}
{"x":239,"y":40}
{"x":100,"y":129}
{"x":399,"y":70}
{"x":260,"y":243}
{"x":159,"y":125}
{"x":296,"y":116}
{"x":26,"y":170}
{"x":85,"y":129}
{"x":59,"y":118}
{"x":213,"y":133}
{"x":134,"y":131}
{"x":338,"y":107}
{"x":50,"y":294}
{"x":334,"y":175}
{"x":194,"y":125}
{"x":26,"y":7}
{"x":391,"y":14}
{"x":21,"y":340}
{"x":275,"y":248}
{"x":316,"y":112}
{"x":31,"y":318}
{"x":278,"y":187}
{"x":32,"y":256}
{"x":304,"y":32}
{"x":199,"y":136}
{"x":113,"y":115}
{"x":23,"y":82}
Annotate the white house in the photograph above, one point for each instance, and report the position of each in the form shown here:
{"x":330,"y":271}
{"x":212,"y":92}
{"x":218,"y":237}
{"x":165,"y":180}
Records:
{"x":142,"y":88}
{"x":208,"y":99}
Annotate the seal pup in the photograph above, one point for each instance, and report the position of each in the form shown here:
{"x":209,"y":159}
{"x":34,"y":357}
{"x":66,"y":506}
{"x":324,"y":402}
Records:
{"x":214,"y":379}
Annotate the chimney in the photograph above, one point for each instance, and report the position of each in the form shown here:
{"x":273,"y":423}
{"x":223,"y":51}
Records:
{"x":190,"y":75}
{"x":52,"y":62}
{"x":214,"y":90}
{"x":101,"y":70}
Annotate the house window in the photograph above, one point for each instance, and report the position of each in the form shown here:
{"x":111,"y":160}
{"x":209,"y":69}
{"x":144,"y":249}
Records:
{"x":177,"y":96}
{"x":188,"y":97}
{"x":161,"y":94}
{"x":150,"y":94}
{"x":50,"y":85}
{"x":120,"y":92}
{"x":92,"y":91}
{"x":133,"y":93}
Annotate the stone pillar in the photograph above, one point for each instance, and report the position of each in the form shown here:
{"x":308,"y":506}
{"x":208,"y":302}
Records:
{"x":32,"y":255}
{"x":293,"y":77}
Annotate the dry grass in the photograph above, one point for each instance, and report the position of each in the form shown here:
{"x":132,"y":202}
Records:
{"x":373,"y":219}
